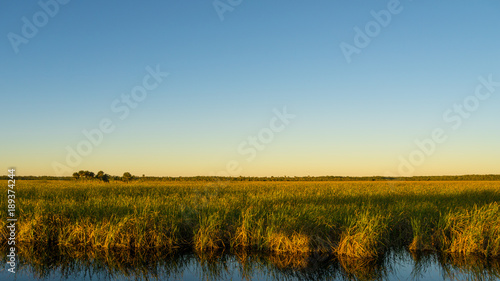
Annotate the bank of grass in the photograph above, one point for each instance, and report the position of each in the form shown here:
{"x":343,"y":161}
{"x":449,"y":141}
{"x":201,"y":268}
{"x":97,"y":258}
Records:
{"x":351,"y":219}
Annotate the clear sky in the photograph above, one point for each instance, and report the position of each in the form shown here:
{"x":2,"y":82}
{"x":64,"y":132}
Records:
{"x":254,"y":88}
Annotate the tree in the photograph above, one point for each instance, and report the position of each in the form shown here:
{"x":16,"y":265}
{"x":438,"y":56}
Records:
{"x":84,"y":175}
{"x":102,"y":176}
{"x":76,"y":175}
{"x":105,"y":178}
{"x":99,"y":175}
{"x":127,"y":176}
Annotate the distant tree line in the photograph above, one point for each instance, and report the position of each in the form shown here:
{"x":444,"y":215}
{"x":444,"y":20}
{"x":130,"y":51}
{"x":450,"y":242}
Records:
{"x":87,"y":175}
{"x":126,"y":177}
{"x":330,"y":178}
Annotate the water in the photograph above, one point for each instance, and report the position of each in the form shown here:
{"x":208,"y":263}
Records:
{"x":45,"y":264}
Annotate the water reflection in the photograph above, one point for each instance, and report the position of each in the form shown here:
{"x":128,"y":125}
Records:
{"x":84,"y":264}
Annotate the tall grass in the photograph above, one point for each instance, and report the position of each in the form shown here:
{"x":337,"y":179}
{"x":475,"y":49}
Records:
{"x":364,"y":237}
{"x":352,"y":219}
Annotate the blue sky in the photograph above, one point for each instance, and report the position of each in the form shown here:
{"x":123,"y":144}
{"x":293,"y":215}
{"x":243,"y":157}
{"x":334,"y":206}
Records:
{"x":228,"y":77}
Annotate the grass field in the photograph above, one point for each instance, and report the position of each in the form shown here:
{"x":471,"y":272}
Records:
{"x":353,"y":219}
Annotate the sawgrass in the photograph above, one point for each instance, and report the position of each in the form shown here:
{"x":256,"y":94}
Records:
{"x":351,"y":219}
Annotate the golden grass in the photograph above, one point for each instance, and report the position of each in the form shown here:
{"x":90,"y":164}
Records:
{"x":364,"y":237}
{"x":350,"y":219}
{"x":472,"y":231}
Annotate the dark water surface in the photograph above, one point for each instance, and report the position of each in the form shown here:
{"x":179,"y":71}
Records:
{"x":126,"y":265}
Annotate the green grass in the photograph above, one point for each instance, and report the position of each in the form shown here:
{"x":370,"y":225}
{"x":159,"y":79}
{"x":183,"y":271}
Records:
{"x":352,"y":219}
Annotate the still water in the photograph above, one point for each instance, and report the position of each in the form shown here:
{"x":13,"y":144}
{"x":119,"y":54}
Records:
{"x":52,"y":264}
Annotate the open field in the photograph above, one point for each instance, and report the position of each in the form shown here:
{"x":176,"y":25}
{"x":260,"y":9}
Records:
{"x":354,"y":219}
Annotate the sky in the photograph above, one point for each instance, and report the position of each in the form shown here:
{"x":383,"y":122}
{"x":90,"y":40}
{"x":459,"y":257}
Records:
{"x":250,"y":88}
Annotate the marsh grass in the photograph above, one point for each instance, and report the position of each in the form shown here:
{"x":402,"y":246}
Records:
{"x":472,"y":231}
{"x":157,"y":264}
{"x":351,"y":219}
{"x":364,"y":237}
